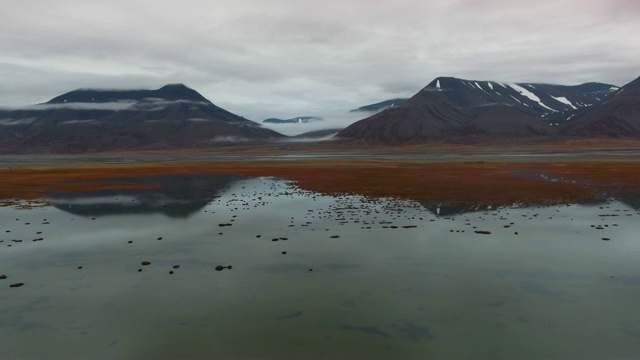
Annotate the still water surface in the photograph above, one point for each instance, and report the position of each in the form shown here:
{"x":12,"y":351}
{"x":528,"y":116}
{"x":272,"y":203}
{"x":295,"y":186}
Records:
{"x":348,"y":277}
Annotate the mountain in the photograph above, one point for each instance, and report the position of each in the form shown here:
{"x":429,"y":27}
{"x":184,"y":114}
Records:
{"x":88,"y":120}
{"x":295,"y":120}
{"x":462,"y":110}
{"x":377,"y":107}
{"x":617,"y":116}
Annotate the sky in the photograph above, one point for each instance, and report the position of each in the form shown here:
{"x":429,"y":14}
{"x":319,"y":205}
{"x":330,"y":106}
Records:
{"x":288,"y":58}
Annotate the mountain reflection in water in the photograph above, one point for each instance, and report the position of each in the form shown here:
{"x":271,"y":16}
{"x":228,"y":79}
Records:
{"x":174,"y":196}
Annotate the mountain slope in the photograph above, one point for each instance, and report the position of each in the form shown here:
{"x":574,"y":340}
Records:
{"x":618,"y":116}
{"x":466,"y":110}
{"x":101,"y":120}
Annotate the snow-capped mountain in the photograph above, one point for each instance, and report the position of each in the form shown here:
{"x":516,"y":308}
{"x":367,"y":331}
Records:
{"x":459,"y":109}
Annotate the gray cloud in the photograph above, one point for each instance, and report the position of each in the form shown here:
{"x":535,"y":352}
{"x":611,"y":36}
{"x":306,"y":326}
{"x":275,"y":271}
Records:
{"x":286,"y":58}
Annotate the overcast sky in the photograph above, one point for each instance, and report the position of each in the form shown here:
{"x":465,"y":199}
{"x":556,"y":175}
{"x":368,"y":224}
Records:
{"x":284,"y":58}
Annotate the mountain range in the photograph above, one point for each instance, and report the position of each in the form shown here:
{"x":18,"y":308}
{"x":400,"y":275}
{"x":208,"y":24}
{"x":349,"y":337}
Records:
{"x":447,"y":109}
{"x":462,"y":110}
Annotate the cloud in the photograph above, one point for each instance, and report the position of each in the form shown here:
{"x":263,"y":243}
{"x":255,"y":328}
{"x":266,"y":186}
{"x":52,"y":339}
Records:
{"x":330,"y":121}
{"x":114,"y":105}
{"x":285,"y":58}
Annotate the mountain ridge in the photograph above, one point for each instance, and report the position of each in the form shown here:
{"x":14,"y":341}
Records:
{"x":454,"y":109}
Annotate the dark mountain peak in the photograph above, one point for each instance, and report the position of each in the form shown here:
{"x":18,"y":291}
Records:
{"x":177,"y":92}
{"x":444,"y":82}
{"x":172,"y":92}
{"x":450,"y":83}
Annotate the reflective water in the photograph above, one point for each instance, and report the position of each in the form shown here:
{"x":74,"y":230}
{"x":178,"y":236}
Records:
{"x":347,"y":277}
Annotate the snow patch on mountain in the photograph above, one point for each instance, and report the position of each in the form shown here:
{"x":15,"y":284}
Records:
{"x":563,"y":100}
{"x":529,"y":94}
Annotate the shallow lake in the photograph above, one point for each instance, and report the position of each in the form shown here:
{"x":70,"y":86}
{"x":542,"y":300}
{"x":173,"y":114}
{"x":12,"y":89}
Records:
{"x":313,"y":276}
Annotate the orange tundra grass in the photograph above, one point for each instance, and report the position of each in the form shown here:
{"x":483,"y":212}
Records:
{"x":492,"y":182}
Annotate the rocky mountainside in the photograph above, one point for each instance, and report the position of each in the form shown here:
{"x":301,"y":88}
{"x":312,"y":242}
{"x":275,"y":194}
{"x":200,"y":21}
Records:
{"x":468,"y":110}
{"x":618,"y":116}
{"x":88,"y":120}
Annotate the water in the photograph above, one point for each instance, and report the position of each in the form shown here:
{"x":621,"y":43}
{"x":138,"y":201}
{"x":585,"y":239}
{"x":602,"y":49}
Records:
{"x":360,"y":278}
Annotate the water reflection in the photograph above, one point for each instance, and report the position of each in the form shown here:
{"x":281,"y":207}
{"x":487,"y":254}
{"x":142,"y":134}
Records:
{"x":316,"y":276}
{"x":174,"y":196}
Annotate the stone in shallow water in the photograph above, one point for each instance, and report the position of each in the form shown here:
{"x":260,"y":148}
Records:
{"x":14,"y":285}
{"x":145,"y":263}
{"x":2,"y":277}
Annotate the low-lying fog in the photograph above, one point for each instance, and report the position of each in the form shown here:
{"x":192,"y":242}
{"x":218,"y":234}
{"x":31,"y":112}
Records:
{"x":330,"y":121}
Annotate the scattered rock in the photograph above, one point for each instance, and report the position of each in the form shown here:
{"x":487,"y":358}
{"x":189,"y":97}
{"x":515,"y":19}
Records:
{"x":220,"y":267}
{"x":170,"y":272}
{"x":483,"y":232}
{"x":16,"y":285}
{"x":79,"y":267}
{"x":176,"y":266}
{"x":2,"y":277}
{"x":145,"y":263}
{"x":159,"y":238}
{"x":284,"y":253}
{"x":605,"y":239}
{"x":335,"y":236}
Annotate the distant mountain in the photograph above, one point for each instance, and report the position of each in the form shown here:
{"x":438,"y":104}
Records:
{"x":467,"y":110}
{"x":617,"y":116}
{"x":295,"y":120}
{"x":377,"y":107}
{"x":317,"y":134}
{"x":88,"y":120}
